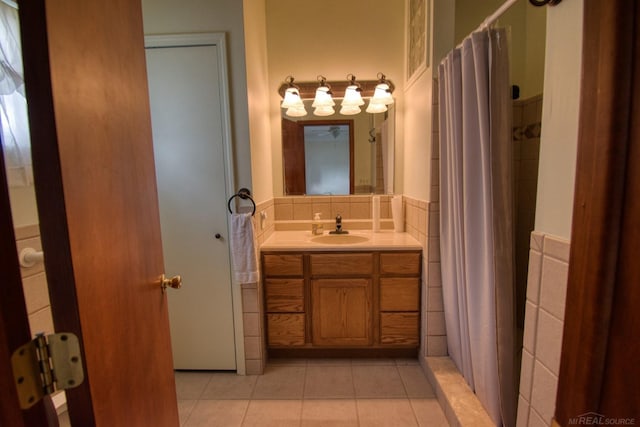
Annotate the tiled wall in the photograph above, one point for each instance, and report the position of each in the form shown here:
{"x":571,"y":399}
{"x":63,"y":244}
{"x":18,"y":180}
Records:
{"x":421,"y":222}
{"x":252,"y":313}
{"x":36,"y":292}
{"x":34,"y":282}
{"x":436,"y":335}
{"x":544,"y":320}
{"x":296,"y":212}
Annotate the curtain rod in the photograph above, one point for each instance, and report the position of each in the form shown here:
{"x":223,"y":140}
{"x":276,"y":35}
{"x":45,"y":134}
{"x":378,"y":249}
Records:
{"x":497,"y":14}
{"x":491,"y":18}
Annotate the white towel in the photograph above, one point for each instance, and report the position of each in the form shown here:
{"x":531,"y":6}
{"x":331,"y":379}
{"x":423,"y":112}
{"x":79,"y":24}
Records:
{"x":243,"y":252}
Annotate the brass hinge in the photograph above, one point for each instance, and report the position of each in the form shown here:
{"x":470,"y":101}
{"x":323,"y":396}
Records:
{"x":45,"y":365}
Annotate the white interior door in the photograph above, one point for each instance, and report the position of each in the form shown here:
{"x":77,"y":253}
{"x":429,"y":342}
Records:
{"x":190,"y":123}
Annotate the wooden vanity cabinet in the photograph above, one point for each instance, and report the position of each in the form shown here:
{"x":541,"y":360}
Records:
{"x":284,"y":299}
{"x":342,"y":300}
{"x":400,"y":298}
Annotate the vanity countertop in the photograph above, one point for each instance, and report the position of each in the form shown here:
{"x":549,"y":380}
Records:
{"x":302,"y":241}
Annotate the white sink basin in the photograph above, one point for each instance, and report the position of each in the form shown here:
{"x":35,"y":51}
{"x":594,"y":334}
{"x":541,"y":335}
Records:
{"x":339,"y":239}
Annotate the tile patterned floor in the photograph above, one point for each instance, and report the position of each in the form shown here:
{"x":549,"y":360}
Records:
{"x":312,"y":393}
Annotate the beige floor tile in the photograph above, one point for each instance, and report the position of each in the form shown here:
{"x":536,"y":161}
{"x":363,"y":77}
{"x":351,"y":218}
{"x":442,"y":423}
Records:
{"x":373,"y":362}
{"x":328,"y":382}
{"x":329,"y":362}
{"x":429,"y":413}
{"x":217,"y":413}
{"x":407,"y":361}
{"x":385,"y":413}
{"x":229,"y":386}
{"x":273,"y":413}
{"x":415,"y":382}
{"x":190,"y":385}
{"x":378,"y":382}
{"x":287,"y":362}
{"x":185,"y":407}
{"x":282,"y":382}
{"x":329,"y":413}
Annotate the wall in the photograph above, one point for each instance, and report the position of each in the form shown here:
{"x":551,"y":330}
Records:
{"x":550,"y":242}
{"x":332,"y":38}
{"x":560,"y":109}
{"x":193,"y":16}
{"x":36,"y":291}
{"x":536,"y":24}
{"x":417,"y":138}
{"x":23,"y":205}
{"x":259,"y":93}
{"x":544,"y":320}
{"x":527,"y":117}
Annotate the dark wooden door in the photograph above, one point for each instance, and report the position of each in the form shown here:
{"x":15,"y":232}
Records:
{"x":293,"y":163}
{"x":85,"y":76}
{"x":599,"y":367}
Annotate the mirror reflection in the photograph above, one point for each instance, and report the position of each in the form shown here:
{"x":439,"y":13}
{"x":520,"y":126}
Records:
{"x":338,"y":155}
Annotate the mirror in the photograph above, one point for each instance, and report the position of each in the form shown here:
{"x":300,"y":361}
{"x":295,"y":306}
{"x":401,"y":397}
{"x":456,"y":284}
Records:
{"x":339,"y":154}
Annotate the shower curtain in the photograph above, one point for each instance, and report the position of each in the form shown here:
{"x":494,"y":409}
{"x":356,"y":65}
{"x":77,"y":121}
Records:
{"x":14,"y":124}
{"x":476,"y":220}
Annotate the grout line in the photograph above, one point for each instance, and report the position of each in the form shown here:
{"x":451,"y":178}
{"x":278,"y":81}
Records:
{"x":246,"y":411}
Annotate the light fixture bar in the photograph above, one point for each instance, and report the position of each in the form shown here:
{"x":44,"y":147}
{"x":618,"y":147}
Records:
{"x":307,"y":90}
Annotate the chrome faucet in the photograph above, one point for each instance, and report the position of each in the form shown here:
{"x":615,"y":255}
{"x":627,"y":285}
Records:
{"x":339,"y":229}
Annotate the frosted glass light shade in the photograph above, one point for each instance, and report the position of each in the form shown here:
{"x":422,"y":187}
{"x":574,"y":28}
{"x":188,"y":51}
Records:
{"x":324,"y":110}
{"x":382,"y":94}
{"x":352,"y":96}
{"x":349,"y":110}
{"x":292,"y":98}
{"x":296,"y":111}
{"x":323,"y":98}
{"x":376,"y":107}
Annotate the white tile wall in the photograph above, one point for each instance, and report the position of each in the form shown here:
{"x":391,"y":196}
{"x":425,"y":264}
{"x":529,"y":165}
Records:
{"x":36,"y":292}
{"x":544,"y":321}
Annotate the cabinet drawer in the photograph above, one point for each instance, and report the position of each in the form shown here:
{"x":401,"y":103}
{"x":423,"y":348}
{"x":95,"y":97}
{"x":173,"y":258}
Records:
{"x":399,"y":328}
{"x":282,"y":265}
{"x":284,"y":295}
{"x":341,"y":264}
{"x":400,"y":294}
{"x":285,"y":329}
{"x":400,"y":263}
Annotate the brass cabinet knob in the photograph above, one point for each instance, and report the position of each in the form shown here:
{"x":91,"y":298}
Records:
{"x":174,"y":282}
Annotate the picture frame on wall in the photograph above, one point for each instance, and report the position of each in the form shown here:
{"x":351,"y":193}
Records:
{"x":418,"y":19}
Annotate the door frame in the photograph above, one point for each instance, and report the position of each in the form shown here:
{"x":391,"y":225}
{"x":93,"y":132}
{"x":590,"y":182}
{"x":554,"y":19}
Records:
{"x":217,"y":39}
{"x":597,"y":353}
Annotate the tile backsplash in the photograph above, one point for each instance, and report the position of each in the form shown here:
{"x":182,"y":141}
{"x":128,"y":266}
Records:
{"x":296,"y":212}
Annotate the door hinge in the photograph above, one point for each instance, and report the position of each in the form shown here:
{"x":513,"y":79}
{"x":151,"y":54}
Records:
{"x":45,"y":365}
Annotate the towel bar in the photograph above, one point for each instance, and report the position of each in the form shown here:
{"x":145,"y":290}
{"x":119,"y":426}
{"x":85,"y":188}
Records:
{"x":244,"y":194}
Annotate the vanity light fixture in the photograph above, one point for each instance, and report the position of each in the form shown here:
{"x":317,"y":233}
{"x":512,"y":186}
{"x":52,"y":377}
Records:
{"x":352,"y":97}
{"x":323,"y":102}
{"x":381,"y":95}
{"x":292,"y":100}
{"x":322,"y":92}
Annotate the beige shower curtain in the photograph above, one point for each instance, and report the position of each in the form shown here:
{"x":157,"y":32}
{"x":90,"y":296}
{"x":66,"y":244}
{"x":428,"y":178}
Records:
{"x":476,"y":220}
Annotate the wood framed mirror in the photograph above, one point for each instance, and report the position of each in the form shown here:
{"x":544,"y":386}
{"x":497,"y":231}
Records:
{"x":318,"y":156}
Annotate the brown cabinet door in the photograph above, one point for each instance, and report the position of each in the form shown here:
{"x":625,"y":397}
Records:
{"x":341,"y":312}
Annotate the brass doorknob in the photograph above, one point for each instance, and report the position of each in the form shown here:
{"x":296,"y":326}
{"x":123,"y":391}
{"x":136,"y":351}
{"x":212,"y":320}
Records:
{"x":174,"y":282}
